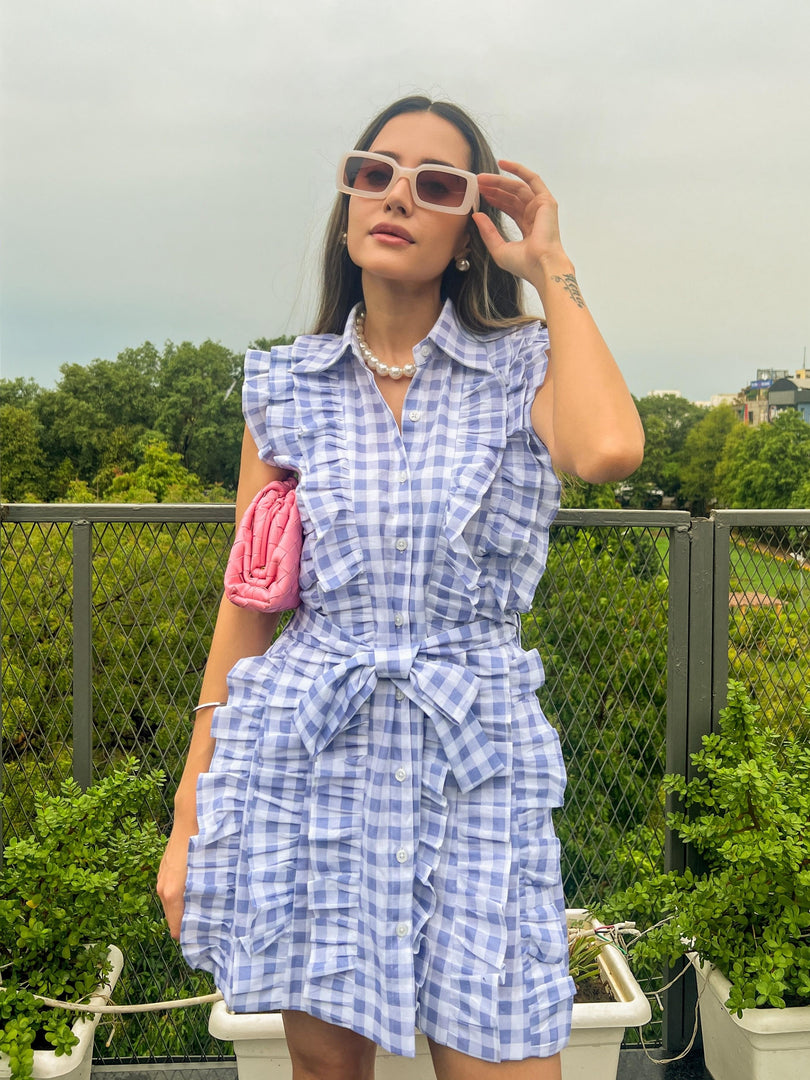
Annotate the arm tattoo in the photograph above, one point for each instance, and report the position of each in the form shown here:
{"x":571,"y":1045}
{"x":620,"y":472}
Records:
{"x":569,"y":283}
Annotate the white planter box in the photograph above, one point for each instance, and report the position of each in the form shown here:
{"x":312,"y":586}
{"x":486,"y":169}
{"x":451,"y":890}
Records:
{"x":75,"y":1065}
{"x":597,"y":1029}
{"x":762,"y":1044}
{"x":592,"y":1054}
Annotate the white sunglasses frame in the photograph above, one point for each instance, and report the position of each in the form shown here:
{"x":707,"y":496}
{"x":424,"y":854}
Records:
{"x":471,"y":198}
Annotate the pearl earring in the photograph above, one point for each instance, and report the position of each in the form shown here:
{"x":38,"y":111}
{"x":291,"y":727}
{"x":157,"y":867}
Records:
{"x":462,"y":264}
{"x":344,"y":236}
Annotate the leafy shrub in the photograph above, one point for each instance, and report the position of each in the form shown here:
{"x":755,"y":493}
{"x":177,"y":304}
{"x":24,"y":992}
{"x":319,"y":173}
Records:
{"x":748,"y":912}
{"x":82,"y":880}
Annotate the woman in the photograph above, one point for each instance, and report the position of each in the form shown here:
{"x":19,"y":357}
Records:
{"x":370,"y":848}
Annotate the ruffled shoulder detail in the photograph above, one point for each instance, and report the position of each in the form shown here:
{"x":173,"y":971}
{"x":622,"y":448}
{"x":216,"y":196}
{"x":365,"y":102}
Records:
{"x":333,"y":574}
{"x":268,"y":405}
{"x":525,"y":373}
{"x":504,"y":493}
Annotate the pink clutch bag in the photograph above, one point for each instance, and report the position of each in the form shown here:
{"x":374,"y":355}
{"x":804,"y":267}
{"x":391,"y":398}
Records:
{"x":263,"y":566}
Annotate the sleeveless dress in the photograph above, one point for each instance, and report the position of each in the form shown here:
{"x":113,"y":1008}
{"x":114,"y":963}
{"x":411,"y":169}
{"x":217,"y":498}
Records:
{"x":375,"y":842}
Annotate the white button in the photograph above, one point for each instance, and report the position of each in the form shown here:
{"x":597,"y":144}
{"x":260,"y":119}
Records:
{"x":414,"y":415}
{"x":425,"y":350}
{"x":402,"y":929}
{"x":403,"y":476}
{"x":399,"y":694}
{"x":401,"y":775}
{"x":401,"y":544}
{"x":402,"y":855}
{"x":398,"y":619}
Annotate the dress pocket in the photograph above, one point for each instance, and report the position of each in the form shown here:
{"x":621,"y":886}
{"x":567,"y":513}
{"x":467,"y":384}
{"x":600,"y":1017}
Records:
{"x":271,"y":892}
{"x":479,"y":928}
{"x":548,"y":942}
{"x":333,"y":904}
{"x":542,"y":920}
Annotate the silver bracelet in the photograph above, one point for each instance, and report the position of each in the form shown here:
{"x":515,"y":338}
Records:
{"x":208,"y":705}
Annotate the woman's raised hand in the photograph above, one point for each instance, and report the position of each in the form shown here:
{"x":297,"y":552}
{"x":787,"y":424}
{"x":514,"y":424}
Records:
{"x":527,"y":201}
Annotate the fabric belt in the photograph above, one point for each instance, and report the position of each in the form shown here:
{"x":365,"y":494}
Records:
{"x":437,"y":674}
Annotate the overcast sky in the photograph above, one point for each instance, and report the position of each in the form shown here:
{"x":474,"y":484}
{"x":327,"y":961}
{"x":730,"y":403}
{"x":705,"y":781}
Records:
{"x":168,"y":165}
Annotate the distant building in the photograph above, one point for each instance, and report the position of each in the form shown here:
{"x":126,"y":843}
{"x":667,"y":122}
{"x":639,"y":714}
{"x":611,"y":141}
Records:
{"x":785,"y":394}
{"x":716,"y":400}
{"x":721,"y":399}
{"x":665,"y":393}
{"x":752,"y":404}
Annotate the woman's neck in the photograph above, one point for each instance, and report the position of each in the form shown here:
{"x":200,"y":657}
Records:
{"x":398,"y":315}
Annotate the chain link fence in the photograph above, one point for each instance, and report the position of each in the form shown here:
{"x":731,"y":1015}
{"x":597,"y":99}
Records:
{"x":641,"y":618}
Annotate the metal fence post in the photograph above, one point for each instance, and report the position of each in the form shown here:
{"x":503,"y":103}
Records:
{"x":82,"y":653}
{"x":720,"y":624}
{"x":699,"y":682}
{"x":676,"y":999}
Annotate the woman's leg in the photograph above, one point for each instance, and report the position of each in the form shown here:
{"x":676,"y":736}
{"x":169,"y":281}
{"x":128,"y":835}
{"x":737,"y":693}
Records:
{"x":453,"y":1065}
{"x":323,"y":1051}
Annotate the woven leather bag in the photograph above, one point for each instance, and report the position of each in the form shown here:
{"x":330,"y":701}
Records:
{"x":264,"y":563}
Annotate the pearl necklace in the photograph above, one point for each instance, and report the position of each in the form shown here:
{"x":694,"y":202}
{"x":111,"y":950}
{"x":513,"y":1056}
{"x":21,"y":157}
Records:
{"x":391,"y":370}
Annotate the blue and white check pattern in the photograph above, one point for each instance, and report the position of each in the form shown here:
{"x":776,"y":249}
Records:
{"x":375,"y":843}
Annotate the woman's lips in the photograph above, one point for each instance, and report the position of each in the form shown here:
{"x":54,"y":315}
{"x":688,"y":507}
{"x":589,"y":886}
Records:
{"x":392,"y":234}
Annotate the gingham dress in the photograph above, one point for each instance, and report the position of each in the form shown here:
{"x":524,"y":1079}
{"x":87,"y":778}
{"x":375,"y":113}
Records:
{"x":375,"y":842}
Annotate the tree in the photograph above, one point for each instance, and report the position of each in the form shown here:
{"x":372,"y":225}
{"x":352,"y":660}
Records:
{"x":266,"y":344}
{"x":22,"y":477}
{"x":763,"y":467}
{"x":576,"y":494}
{"x":20,"y":392}
{"x":801,"y":496}
{"x":702,"y":451}
{"x":667,"y":420}
{"x":90,"y":403}
{"x":161,"y":478}
{"x":200,"y":410}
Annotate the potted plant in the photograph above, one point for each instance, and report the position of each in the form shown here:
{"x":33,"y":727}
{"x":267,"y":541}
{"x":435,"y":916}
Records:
{"x":745,"y":919}
{"x":80,"y":881}
{"x":599,"y":1020}
{"x":592,"y":1054}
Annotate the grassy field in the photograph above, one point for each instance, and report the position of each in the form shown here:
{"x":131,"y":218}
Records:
{"x":758,"y":571}
{"x":777,"y":575}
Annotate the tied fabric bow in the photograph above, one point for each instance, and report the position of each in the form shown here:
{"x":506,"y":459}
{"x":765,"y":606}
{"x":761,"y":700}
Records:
{"x":263,"y":566}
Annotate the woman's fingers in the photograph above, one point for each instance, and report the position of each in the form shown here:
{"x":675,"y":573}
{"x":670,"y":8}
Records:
{"x":526,"y":175}
{"x":171,"y":882}
{"x":489,"y":234}
{"x":510,"y":194}
{"x":528,"y":202}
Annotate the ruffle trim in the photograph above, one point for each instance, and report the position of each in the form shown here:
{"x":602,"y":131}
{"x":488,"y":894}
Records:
{"x":433,"y":816}
{"x":268,"y":406}
{"x":332,"y":557}
{"x":494,"y":531}
{"x":215,"y":852}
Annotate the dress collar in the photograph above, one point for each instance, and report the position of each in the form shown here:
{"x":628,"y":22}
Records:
{"x":447,"y":334}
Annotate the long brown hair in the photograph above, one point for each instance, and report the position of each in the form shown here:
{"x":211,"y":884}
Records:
{"x":486,"y":297}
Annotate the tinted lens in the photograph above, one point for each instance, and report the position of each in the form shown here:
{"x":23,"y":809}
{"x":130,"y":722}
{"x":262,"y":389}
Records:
{"x":364,"y":175}
{"x":441,"y":188}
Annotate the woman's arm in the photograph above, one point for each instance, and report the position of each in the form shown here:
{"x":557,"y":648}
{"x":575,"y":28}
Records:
{"x":238,"y":632}
{"x":584,"y":412}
